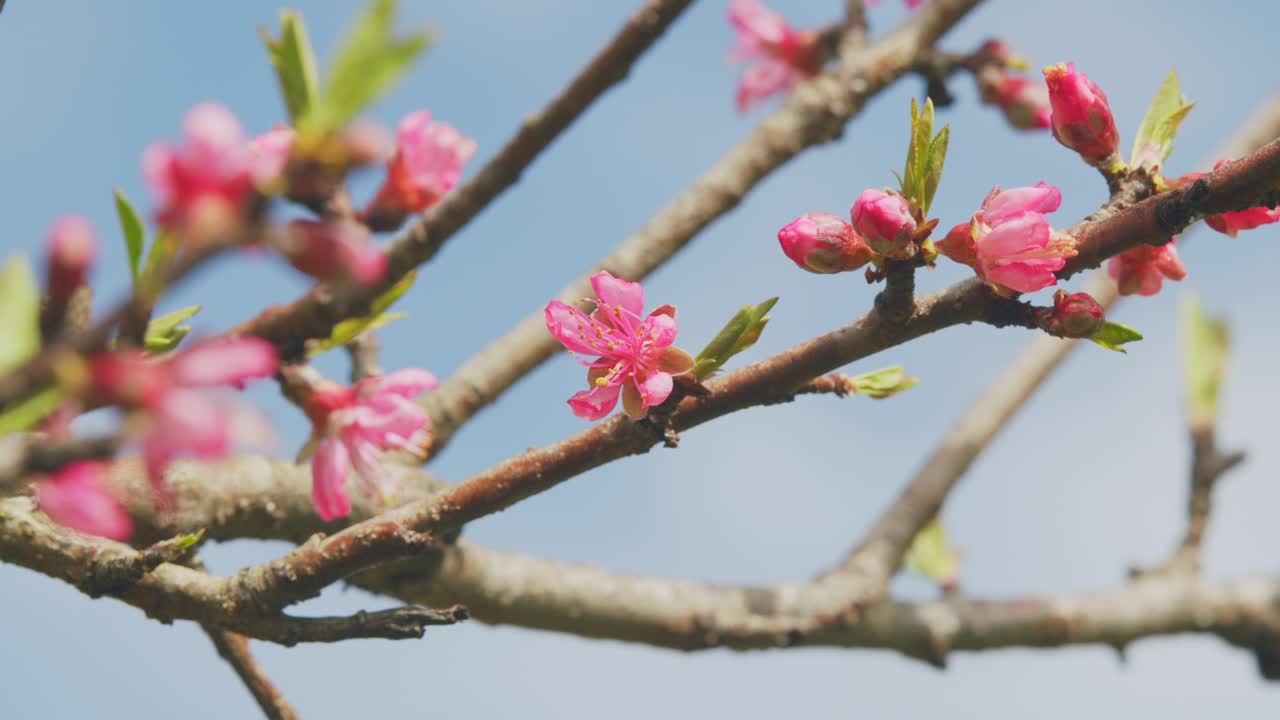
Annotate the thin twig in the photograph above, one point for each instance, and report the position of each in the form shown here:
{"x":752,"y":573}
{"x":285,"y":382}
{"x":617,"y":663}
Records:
{"x":234,"y":648}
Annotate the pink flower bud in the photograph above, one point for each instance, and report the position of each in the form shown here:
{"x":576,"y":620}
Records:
{"x":1075,"y":315}
{"x":72,"y":248}
{"x":74,"y":496}
{"x":884,"y":219}
{"x":1081,"y":116}
{"x":335,"y":250}
{"x":823,"y":243}
{"x":1025,"y":103}
{"x":1009,"y":241}
{"x":1142,"y":270}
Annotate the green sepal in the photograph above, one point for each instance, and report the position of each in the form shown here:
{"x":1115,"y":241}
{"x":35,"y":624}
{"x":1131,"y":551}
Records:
{"x":1159,"y":126}
{"x":165,"y":332}
{"x":135,"y":233}
{"x":883,"y":383}
{"x":741,"y":332}
{"x":19,"y":313}
{"x":932,"y":555}
{"x":1113,"y":335}
{"x":29,"y":412}
{"x":295,"y":65}
{"x":348,"y":330}
{"x":1204,"y":357}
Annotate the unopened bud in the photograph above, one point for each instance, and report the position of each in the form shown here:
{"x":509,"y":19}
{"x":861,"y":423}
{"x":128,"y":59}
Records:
{"x":823,"y":243}
{"x":72,"y":249}
{"x":884,"y":219}
{"x":336,"y":249}
{"x":1081,"y":118}
{"x":1075,"y":315}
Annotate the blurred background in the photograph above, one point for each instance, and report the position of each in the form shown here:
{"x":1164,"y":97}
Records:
{"x":1087,"y":482}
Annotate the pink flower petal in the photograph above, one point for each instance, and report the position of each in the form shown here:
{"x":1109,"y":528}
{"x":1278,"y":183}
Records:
{"x":1024,"y":276}
{"x":1041,"y":198}
{"x":1029,"y":231}
{"x":616,"y":291}
{"x":224,"y":362}
{"x":572,"y":328}
{"x":329,"y":480}
{"x":74,"y":496}
{"x":655,"y":388}
{"x":595,"y":403}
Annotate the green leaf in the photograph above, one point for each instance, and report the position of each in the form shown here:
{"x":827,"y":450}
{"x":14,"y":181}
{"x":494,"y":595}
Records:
{"x":932,"y":174}
{"x":931,"y":555}
{"x":910,"y":174}
{"x":163,"y":248}
{"x":1113,"y":335}
{"x":741,"y":332}
{"x":883,"y":383}
{"x":1204,"y":359}
{"x":295,"y":65}
{"x":19,"y":313}
{"x":1154,"y":141}
{"x":29,"y":412}
{"x":348,"y":330}
{"x":189,"y":540}
{"x":165,"y":332}
{"x":135,"y":233}
{"x":370,"y":61}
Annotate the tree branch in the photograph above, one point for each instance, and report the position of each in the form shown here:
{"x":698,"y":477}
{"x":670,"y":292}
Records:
{"x":234,"y":648}
{"x":288,"y":327}
{"x":815,"y":113}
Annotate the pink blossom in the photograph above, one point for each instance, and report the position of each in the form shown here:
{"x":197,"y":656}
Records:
{"x":75,"y":496}
{"x":426,"y":166}
{"x":1025,"y":103}
{"x":204,"y":185}
{"x":884,"y":219}
{"x":1142,"y":270}
{"x":780,"y":57}
{"x":353,"y":425}
{"x":180,"y":417}
{"x":335,"y":249}
{"x":1081,"y":117}
{"x":823,"y":243}
{"x":72,"y":249}
{"x":1009,"y":242}
{"x":635,"y":355}
{"x":269,"y":154}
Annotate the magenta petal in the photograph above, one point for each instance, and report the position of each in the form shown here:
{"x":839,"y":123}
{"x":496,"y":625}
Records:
{"x":656,"y":388}
{"x":158,"y":170}
{"x":1029,"y":231}
{"x":595,"y":403}
{"x":1041,"y":198}
{"x":756,"y":23}
{"x":329,"y":480}
{"x":616,"y":291}
{"x":662,"y":328}
{"x":407,"y":383}
{"x":75,"y":497}
{"x":571,"y":327}
{"x":224,"y":362}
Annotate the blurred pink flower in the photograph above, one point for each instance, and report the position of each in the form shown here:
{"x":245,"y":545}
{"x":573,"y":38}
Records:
{"x":203,"y":186}
{"x":180,"y":418}
{"x":780,"y":57}
{"x":269,"y":154}
{"x":353,"y":425}
{"x":426,"y":166}
{"x":335,"y":250}
{"x":75,"y":496}
{"x":636,"y":358}
{"x":72,"y":248}
{"x":1142,"y":270}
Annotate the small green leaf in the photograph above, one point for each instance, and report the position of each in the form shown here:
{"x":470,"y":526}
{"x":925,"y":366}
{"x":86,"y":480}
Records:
{"x":29,"y":412}
{"x":165,"y":332}
{"x":741,"y":332}
{"x":135,"y":233}
{"x":370,"y":61}
{"x":1154,"y":141}
{"x":931,"y":555}
{"x":910,"y":175}
{"x":163,"y":249}
{"x":295,"y":65}
{"x":883,"y":383}
{"x":1204,"y":358}
{"x":189,"y":540}
{"x":1113,"y":335}
{"x":933,"y":170}
{"x":19,"y":313}
{"x":348,"y":330}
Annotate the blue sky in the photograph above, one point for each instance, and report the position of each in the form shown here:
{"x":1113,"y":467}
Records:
{"x":1087,"y":482}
